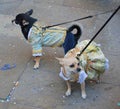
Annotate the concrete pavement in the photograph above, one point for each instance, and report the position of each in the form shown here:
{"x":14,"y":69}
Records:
{"x":42,"y":88}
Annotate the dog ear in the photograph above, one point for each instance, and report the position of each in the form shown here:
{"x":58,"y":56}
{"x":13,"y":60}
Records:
{"x":29,"y":12}
{"x":61,"y":60}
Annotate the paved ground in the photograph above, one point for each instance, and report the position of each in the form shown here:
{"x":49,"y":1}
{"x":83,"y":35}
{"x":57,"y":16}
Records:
{"x":42,"y":88}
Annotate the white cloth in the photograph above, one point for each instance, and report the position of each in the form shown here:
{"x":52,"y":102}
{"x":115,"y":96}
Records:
{"x":62,"y":75}
{"x":107,"y":64}
{"x":82,"y":76}
{"x":29,"y":32}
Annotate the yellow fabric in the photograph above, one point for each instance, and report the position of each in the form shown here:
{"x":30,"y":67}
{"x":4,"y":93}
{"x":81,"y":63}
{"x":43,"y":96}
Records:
{"x":92,"y":60}
{"x":39,"y":37}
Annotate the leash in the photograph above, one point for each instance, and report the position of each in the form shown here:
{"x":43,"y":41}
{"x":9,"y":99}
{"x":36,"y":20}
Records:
{"x":99,"y":31}
{"x":82,"y":18}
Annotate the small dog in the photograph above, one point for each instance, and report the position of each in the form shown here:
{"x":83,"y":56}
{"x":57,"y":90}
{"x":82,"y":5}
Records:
{"x":90,"y":65}
{"x":38,"y":35}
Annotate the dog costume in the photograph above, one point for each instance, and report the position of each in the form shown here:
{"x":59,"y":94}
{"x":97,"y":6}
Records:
{"x":39,"y":35}
{"x":54,"y":37}
{"x":92,"y":61}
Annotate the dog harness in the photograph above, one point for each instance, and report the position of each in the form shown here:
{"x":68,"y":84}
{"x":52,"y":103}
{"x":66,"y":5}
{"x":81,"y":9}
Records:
{"x":38,"y":37}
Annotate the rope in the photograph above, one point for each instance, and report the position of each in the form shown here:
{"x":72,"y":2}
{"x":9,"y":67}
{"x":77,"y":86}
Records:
{"x":82,"y":18}
{"x":99,"y":30}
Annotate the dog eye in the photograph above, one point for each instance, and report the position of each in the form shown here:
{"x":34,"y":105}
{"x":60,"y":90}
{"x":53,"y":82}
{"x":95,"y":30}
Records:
{"x":78,"y":64}
{"x":72,"y":65}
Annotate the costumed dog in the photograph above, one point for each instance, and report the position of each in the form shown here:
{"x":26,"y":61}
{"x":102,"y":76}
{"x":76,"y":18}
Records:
{"x":90,"y":65}
{"x":38,"y":36}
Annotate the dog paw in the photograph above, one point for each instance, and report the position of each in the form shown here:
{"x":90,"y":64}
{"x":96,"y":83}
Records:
{"x":68,"y":93}
{"x":35,"y":67}
{"x":84,"y":95}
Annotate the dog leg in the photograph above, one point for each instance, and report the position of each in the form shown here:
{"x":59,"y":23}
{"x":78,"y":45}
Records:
{"x":83,"y":92}
{"x":98,"y":79}
{"x":37,"y":62}
{"x":68,"y":92}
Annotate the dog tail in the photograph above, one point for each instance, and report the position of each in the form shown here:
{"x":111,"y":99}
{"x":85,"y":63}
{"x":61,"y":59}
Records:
{"x":78,"y":34}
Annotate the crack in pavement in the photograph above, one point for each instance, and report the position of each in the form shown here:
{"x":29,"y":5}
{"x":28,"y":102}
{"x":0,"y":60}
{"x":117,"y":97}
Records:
{"x":7,"y":99}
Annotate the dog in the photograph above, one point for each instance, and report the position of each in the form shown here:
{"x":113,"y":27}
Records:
{"x":38,"y":35}
{"x":90,"y":65}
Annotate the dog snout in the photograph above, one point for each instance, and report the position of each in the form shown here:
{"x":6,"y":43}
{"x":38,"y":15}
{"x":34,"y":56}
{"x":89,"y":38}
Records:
{"x":14,"y":20}
{"x":78,"y":69}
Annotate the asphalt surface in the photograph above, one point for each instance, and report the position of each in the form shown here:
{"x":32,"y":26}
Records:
{"x":22,"y":87}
